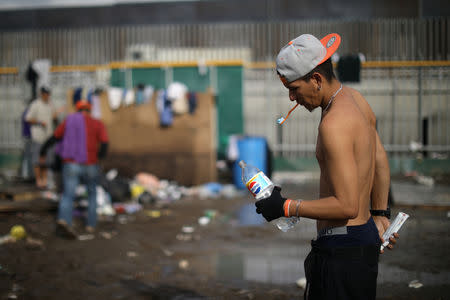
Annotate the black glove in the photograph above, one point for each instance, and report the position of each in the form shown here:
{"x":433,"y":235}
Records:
{"x":271,"y":208}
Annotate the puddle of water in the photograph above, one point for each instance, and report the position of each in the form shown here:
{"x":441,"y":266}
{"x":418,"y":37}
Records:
{"x":284,"y":265}
{"x":276,"y":265}
{"x":394,"y":274}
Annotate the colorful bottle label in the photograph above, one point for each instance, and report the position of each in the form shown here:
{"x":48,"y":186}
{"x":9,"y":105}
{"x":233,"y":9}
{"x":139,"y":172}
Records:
{"x":258,"y":183}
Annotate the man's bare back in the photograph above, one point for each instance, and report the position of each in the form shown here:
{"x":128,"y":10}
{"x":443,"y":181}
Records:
{"x":351,"y":113}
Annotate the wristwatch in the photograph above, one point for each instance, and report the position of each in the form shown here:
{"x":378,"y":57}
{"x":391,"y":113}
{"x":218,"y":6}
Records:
{"x":378,"y":212}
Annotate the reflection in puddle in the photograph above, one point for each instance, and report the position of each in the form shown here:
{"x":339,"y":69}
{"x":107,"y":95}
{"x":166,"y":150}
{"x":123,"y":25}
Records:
{"x":278,"y":265}
{"x":393,"y":274}
{"x":268,"y":265}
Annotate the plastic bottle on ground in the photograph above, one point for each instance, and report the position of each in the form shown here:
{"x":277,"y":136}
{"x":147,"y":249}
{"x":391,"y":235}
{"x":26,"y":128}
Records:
{"x":261,"y":187}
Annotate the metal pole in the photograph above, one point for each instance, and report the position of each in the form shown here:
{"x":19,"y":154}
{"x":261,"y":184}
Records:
{"x":393,"y":115}
{"x":419,"y":106}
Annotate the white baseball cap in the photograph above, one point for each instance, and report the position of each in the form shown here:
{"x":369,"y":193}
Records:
{"x":301,"y":55}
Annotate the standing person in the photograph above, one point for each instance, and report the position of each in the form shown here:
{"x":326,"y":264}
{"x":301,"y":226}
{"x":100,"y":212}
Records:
{"x":343,"y":262}
{"x":27,"y":164}
{"x":41,"y":116}
{"x":83,"y":141}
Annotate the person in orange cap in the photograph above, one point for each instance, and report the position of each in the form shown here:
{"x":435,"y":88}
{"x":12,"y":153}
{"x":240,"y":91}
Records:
{"x":84,"y":141}
{"x":352,"y":210}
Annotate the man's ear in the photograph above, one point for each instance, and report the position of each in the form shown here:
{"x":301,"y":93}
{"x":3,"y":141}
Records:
{"x":316,"y":79}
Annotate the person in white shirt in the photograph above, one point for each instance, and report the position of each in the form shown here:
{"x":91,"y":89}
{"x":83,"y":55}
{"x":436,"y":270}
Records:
{"x":41,"y":116}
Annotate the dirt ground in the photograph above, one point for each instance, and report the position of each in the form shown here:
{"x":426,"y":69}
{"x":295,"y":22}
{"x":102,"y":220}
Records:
{"x":142,"y":257}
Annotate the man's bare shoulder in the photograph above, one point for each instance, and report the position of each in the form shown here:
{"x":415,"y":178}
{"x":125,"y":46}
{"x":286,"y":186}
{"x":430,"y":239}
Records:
{"x":363,"y":105}
{"x":338,"y":122}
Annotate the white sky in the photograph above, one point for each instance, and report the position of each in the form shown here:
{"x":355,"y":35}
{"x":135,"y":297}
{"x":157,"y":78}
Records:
{"x":30,"y":4}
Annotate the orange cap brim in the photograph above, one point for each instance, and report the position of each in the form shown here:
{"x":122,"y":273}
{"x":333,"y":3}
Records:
{"x":331,"y":42}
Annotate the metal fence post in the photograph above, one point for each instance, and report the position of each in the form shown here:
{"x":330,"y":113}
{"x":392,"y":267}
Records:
{"x":393,"y":113}
{"x":419,"y":105}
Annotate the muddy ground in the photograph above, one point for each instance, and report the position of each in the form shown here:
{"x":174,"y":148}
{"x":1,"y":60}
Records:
{"x":236,"y":256}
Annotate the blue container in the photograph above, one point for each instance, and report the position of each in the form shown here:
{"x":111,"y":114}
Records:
{"x":252,"y":150}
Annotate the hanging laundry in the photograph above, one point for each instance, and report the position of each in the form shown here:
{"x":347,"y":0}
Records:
{"x":77,"y":95}
{"x":164,"y":107}
{"x":192,"y":102}
{"x":89,"y":95}
{"x":349,"y":68}
{"x":177,"y":93}
{"x":42,"y":67}
{"x":96,"y":111}
{"x":128,"y":98}
{"x":148,"y":93}
{"x":32,"y":76}
{"x":140,"y":94}
{"x":115,"y":95}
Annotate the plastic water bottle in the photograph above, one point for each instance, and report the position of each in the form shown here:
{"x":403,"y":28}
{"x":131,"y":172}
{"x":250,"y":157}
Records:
{"x":261,"y":187}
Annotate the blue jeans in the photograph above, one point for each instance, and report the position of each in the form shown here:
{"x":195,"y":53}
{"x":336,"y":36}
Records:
{"x":73,"y":173}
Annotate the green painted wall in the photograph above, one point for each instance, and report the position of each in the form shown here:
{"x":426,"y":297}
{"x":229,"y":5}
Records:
{"x":229,"y":105}
{"x":10,"y":160}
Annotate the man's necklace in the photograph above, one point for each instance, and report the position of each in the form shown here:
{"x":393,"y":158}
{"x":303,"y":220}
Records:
{"x":332,"y":98}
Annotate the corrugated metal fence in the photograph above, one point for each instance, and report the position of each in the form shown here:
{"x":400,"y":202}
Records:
{"x":412,"y":105}
{"x":379,"y":39}
{"x":411,"y":102}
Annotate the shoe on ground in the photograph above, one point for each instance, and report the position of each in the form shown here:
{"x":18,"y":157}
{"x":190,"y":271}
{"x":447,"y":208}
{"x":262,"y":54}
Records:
{"x":89,"y":229}
{"x":65,"y":231}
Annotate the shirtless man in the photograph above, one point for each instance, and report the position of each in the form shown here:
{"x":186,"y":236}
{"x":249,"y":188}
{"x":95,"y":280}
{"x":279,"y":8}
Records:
{"x":343,"y":263}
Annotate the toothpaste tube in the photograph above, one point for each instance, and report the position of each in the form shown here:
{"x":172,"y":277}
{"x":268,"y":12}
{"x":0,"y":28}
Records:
{"x":393,"y":228}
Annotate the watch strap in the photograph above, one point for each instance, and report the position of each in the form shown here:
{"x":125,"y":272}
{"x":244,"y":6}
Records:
{"x":379,"y":212}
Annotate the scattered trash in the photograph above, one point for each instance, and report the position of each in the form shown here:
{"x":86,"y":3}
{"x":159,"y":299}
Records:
{"x":425,"y":180}
{"x":167,"y":252}
{"x":18,"y":232}
{"x":146,"y":198}
{"x":132,"y":254}
{"x":204,"y":220}
{"x":136,"y":190}
{"x":211,"y":213}
{"x":112,"y":174}
{"x":187,"y":229}
{"x":50,"y":195}
{"x":107,"y":235}
{"x":436,"y":155}
{"x":415,"y":284}
{"x":104,"y":206}
{"x":86,"y":237}
{"x":183,"y":237}
{"x":12,"y":296}
{"x":122,"y":219}
{"x":169,"y":192}
{"x":129,"y":208}
{"x":411,"y":174}
{"x":153,"y":213}
{"x":6,"y":239}
{"x":183,"y":264}
{"x":415,"y":146}
{"x":132,"y":208}
{"x":149,"y":181}
{"x":242,"y":292}
{"x":301,"y":283}
{"x":34,"y":243}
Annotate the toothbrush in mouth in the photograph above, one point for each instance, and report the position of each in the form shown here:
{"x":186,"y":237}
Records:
{"x":281,"y":120}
